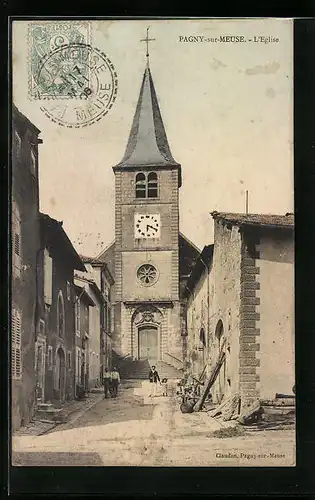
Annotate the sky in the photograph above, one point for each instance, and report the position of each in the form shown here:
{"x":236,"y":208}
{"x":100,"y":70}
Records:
{"x":227,"y":109}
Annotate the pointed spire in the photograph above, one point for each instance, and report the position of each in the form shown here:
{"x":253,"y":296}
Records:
{"x":147,"y":143}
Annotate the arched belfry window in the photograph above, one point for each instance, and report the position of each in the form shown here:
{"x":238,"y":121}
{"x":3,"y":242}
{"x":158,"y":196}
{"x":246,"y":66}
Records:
{"x":152,"y":185}
{"x":146,"y":185}
{"x":141,"y":185}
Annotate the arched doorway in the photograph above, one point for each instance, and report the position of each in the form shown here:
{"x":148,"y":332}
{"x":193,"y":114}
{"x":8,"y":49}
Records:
{"x":60,"y":374}
{"x":148,"y":342}
{"x":221,"y":381}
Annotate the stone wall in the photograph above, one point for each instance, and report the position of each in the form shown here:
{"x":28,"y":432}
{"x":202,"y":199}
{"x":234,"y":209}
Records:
{"x":276,"y":309}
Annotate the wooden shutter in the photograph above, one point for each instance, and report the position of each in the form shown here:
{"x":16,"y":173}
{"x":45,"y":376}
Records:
{"x":47,"y":278}
{"x":16,"y":344}
{"x":16,"y":240}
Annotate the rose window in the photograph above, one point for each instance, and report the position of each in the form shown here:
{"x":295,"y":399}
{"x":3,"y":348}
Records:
{"x":147,"y":274}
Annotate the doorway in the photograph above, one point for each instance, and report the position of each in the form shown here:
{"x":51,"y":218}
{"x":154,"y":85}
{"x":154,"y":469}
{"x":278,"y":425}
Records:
{"x":148,"y":342}
{"x":61,"y":374}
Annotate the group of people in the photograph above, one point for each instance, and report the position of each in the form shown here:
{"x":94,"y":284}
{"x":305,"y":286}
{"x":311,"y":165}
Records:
{"x":111,"y":383}
{"x":154,"y":379}
{"x":111,"y":380}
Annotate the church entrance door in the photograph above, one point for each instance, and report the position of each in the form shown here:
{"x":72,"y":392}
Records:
{"x":148,"y":342}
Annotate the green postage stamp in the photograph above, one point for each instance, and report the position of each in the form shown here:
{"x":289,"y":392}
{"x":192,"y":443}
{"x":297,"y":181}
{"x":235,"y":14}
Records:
{"x":48,"y":76}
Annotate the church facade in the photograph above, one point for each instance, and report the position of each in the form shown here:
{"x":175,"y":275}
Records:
{"x":149,"y":256}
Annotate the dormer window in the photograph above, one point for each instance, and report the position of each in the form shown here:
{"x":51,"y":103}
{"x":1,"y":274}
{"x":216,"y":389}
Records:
{"x":146,"y":185}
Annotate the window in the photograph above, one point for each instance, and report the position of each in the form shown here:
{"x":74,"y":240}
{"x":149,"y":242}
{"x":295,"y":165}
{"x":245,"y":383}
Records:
{"x":42,"y":327}
{"x":152,"y":185}
{"x":16,"y":344}
{"x":60,"y":315}
{"x":69,"y":359}
{"x":146,"y":185}
{"x":16,"y":240}
{"x":17,"y":144}
{"x":50,"y":357}
{"x":33,"y":162}
{"x":105,"y":316}
{"x":140,"y":186}
{"x":68,"y":290}
{"x":47,"y":277}
{"x":109,"y":320}
{"x":147,"y":274}
{"x":77,"y":316}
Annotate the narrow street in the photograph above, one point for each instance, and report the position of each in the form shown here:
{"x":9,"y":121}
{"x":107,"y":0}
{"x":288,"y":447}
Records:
{"x":139,"y":431}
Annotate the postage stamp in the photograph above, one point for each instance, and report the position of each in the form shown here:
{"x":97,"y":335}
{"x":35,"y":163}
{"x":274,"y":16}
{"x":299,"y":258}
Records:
{"x":80,"y":84}
{"x":43,"y":38}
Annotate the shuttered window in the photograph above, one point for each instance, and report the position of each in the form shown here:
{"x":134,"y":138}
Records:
{"x":47,"y":278}
{"x":16,"y":240}
{"x":16,"y":345}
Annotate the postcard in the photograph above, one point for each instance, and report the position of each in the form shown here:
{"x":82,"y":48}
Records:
{"x":152,"y":243}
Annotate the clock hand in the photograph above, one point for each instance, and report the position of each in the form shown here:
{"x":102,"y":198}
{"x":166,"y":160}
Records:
{"x":151,"y":227}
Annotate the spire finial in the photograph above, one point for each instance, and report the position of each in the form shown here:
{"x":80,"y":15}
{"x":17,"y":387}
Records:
{"x":147,"y":40}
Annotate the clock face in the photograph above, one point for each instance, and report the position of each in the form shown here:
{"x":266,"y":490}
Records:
{"x":147,"y":225}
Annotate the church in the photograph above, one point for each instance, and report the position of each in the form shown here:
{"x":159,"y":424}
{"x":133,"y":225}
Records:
{"x":150,"y":258}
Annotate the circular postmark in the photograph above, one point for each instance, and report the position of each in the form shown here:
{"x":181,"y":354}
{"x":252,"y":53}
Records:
{"x":78,"y":83}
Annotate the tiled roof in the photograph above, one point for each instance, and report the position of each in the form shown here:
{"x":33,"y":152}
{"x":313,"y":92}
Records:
{"x":267,"y":220}
{"x":91,"y":260}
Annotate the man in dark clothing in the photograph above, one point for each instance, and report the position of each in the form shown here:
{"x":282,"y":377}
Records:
{"x":107,"y":382}
{"x":154,"y":379}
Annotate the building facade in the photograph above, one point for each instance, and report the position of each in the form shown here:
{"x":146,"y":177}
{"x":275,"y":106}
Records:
{"x":55,"y":339}
{"x":198,"y":291}
{"x":249,"y":309}
{"x":25,"y":238}
{"x":100,"y":283}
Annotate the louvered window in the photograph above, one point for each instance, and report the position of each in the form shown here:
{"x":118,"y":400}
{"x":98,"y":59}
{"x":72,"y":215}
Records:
{"x":152,"y":185}
{"x":17,"y":244}
{"x":16,"y":240}
{"x":147,"y":185}
{"x":16,"y":345}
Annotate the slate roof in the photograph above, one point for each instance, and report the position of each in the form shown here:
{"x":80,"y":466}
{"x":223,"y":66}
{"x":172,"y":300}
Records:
{"x":147,"y":143}
{"x":263,"y":220}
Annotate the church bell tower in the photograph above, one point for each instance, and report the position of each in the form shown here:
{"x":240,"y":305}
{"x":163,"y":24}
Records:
{"x":147,"y":182}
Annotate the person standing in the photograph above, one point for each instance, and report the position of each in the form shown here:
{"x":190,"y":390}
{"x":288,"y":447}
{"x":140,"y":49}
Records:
{"x":115,"y":381}
{"x":154,"y":379}
{"x":107,"y":383}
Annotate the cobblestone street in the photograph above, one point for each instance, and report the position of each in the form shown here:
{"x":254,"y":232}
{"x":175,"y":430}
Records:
{"x":140,"y":431}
